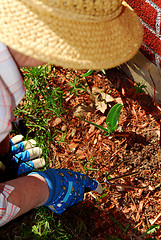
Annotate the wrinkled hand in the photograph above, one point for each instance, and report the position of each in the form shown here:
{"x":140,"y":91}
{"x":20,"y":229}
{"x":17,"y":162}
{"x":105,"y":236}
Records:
{"x":67,"y":188}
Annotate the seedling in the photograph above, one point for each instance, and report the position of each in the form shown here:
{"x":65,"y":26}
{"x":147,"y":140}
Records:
{"x":103,"y":195}
{"x":90,"y":72}
{"x":89,"y":165}
{"x":76,"y":86}
{"x":112,"y":120}
{"x":151,"y":229}
{"x":139,"y":88}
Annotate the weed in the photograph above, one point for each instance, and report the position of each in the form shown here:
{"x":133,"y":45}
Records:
{"x":89,"y":164}
{"x":81,"y":227}
{"x":45,"y":226}
{"x":103,"y":195}
{"x":87,"y":73}
{"x":125,"y":230}
{"x":76,"y":86}
{"x":61,"y":136}
{"x":40,"y":104}
{"x":139,"y":88}
{"x":151,"y":230}
{"x":111,"y":120}
{"x":90,"y":72}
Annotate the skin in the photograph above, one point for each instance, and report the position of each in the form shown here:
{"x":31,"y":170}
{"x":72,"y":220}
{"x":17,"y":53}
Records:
{"x":30,"y":192}
{"x":24,"y":196}
{"x":22,"y":61}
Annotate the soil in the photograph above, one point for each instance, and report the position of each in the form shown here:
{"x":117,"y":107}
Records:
{"x":125,"y":211}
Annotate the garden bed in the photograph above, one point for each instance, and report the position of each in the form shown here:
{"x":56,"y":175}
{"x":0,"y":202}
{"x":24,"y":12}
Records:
{"x":120,"y":212}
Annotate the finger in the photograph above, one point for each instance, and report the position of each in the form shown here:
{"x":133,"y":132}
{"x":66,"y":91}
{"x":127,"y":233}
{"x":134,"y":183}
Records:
{"x":16,"y":139}
{"x":39,"y":163}
{"x":99,"y":188}
{"x":35,"y":152}
{"x":28,"y":155}
{"x":21,"y":146}
{"x":29,"y":144}
{"x":30,"y":165}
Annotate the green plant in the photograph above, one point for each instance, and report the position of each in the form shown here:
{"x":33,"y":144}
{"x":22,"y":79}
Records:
{"x":81,"y":227}
{"x":40,"y":104}
{"x":88,"y":165}
{"x":139,"y":88}
{"x":76,"y":86}
{"x":61,"y":136}
{"x":124,"y":229}
{"x":151,"y":229}
{"x":112,"y":119}
{"x":103,"y":195}
{"x":90,"y":72}
{"x":45,"y":226}
{"x":41,"y":229}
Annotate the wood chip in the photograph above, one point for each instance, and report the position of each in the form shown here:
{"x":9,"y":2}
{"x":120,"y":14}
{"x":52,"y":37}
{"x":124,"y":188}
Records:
{"x":56,"y":122}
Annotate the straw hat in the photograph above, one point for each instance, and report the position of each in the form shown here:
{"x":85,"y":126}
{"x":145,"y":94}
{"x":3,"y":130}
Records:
{"x":81,"y":34}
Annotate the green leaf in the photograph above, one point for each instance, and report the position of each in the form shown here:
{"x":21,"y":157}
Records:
{"x":94,"y":124}
{"x":71,"y":91}
{"x":71,"y":84}
{"x":113,"y":117}
{"x":75,"y":91}
{"x":152,"y":229}
{"x":75,"y":80}
{"x":111,"y":120}
{"x":103,"y":195}
{"x":103,"y":71}
{"x":47,"y":225}
{"x":87,"y":73}
{"x":80,"y":88}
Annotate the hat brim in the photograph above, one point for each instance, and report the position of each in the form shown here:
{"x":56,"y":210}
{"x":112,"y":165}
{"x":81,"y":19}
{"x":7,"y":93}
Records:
{"x":77,"y":44}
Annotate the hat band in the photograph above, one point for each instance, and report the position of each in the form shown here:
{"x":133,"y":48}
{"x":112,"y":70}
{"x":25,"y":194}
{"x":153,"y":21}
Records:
{"x":46,"y":9}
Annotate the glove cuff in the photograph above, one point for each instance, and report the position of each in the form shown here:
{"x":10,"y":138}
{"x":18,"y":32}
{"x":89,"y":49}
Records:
{"x":66,"y":188}
{"x":54,"y":183}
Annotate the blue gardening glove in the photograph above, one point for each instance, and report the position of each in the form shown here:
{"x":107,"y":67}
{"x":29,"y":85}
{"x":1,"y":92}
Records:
{"x":22,"y":157}
{"x":25,"y":155}
{"x":67,"y":188}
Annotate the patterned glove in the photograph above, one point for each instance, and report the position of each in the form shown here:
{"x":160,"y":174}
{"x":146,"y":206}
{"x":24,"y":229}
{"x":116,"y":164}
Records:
{"x":67,"y":188}
{"x":23,"y":157}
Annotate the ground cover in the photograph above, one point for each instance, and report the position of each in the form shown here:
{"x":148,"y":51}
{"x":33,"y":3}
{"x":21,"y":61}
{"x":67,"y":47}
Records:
{"x":131,"y":212}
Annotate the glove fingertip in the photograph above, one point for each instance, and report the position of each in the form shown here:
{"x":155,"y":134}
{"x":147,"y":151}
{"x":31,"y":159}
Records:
{"x":29,"y":144}
{"x":35,"y":152}
{"x":39,"y":163}
{"x":99,"y":188}
{"x":17,"y":139}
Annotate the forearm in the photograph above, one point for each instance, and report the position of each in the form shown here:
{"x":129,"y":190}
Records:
{"x":29,"y":192}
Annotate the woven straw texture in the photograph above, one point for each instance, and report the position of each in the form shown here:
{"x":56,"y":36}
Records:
{"x":80,"y":34}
